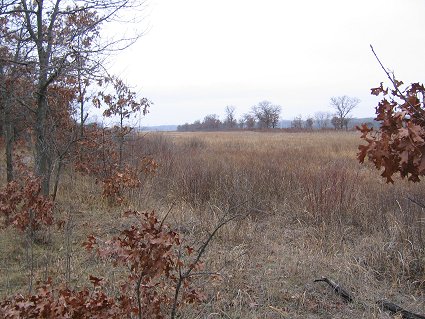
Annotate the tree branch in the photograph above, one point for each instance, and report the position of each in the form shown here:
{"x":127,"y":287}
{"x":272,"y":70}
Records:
{"x":392,"y":79}
{"x":184,"y":275}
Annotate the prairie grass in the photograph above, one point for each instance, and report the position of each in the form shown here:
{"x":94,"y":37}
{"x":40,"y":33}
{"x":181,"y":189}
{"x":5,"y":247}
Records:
{"x":310,"y":210}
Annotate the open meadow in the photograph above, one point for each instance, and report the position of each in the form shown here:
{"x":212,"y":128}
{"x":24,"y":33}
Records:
{"x":303,"y":208}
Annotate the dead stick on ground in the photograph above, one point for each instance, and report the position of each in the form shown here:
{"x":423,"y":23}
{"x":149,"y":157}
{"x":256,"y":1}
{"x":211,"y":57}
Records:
{"x":337,"y":288}
{"x":393,"y":308}
{"x":382,"y":304}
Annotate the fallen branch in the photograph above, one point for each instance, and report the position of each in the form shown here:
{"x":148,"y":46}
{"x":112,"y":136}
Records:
{"x":394,"y":309}
{"x":337,"y":288}
{"x":382,"y":304}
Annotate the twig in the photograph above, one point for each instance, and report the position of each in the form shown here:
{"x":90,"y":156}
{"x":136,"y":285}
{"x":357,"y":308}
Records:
{"x":421,"y":205}
{"x":166,"y":215}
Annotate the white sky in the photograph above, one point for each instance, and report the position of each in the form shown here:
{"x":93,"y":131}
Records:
{"x":200,"y":55}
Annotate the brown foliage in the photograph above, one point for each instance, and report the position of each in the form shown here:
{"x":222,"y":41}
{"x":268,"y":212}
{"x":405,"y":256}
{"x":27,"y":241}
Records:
{"x":50,"y":302}
{"x":123,"y":103}
{"x":399,"y":144}
{"x":97,"y":156}
{"x":22,"y":203}
{"x":149,"y":250}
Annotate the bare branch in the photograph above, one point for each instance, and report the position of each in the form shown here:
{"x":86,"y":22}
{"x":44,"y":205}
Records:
{"x":184,"y":275}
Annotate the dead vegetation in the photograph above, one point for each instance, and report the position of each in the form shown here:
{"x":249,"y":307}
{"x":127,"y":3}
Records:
{"x":310,"y":210}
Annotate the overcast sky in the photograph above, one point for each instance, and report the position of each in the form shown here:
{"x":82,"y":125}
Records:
{"x":198,"y":56}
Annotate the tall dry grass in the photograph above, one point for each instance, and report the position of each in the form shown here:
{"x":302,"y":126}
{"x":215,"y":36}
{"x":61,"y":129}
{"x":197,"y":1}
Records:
{"x":313,"y":178}
{"x":311,"y":210}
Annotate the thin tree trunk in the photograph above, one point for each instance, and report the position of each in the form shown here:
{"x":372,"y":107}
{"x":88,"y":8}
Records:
{"x":121,"y":140}
{"x":57,"y":177}
{"x":9,"y":137}
{"x":82,"y":119}
{"x":7,"y":127}
{"x":81,"y":98}
{"x":30,"y":250}
{"x":121,"y":146}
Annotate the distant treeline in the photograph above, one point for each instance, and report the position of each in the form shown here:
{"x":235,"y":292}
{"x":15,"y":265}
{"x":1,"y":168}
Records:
{"x":265,"y":115}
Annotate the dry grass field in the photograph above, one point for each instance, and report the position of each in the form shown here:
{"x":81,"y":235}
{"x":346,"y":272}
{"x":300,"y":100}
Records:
{"x":307,"y":209}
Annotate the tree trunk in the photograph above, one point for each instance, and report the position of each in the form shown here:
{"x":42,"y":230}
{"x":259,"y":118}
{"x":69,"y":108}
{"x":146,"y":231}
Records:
{"x":9,"y":137}
{"x":42,"y":152}
{"x":81,"y":97}
{"x":82,"y":119}
{"x":121,"y":140}
{"x":121,"y":148}
{"x":44,"y":44}
{"x":7,"y":127}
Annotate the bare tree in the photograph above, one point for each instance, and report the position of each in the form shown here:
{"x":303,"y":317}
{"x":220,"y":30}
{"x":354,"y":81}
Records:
{"x":248,"y":121}
{"x":322,"y":119}
{"x":343,"y":105}
{"x":230,"y":121}
{"x":297,"y":122}
{"x":267,"y":114}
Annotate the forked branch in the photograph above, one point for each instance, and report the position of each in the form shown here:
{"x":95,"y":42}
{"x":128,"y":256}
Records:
{"x":183,"y":275}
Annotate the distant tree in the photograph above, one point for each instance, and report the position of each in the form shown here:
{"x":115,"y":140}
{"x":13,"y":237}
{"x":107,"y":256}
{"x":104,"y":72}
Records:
{"x":345,"y":122}
{"x":196,"y":126}
{"x":309,"y":123}
{"x":211,"y":122}
{"x":184,"y":127}
{"x":343,"y":105}
{"x":267,"y":114}
{"x":297,"y":122}
{"x":230,"y":121}
{"x":336,"y":122}
{"x":322,"y":119}
{"x":248,"y":120}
